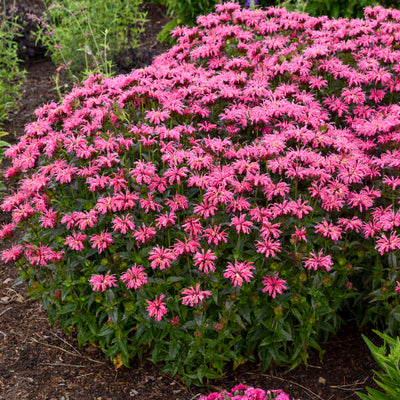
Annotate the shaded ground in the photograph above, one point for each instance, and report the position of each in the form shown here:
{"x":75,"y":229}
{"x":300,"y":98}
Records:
{"x":39,"y":362}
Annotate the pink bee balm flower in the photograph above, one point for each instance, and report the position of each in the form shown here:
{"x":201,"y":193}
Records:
{"x":327,"y":229}
{"x":318,"y":262}
{"x":241,"y":225}
{"x":194,"y":296}
{"x":214,"y":235}
{"x":156,"y":308}
{"x":240,"y":272}
{"x":268,"y":247}
{"x":134,"y":277}
{"x":273,"y":285}
{"x":102,"y":282}
{"x":102,"y":241}
{"x":144,"y":234}
{"x":161,"y":258}
{"x":397,"y":287}
{"x":385,"y":244}
{"x":12,"y":254}
{"x":205,"y":260}
{"x":300,"y":234}
{"x":281,"y":395}
{"x":75,"y":242}
{"x":123,"y":224}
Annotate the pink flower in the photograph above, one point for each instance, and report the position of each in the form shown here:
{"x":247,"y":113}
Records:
{"x":281,"y":395}
{"x":175,"y":174}
{"x":143,"y":172}
{"x":12,"y":254}
{"x":240,"y":272}
{"x":157,"y":116}
{"x":192,"y":225}
{"x":205,"y":261}
{"x":102,"y":282}
{"x":300,"y":234}
{"x":166,"y":220}
{"x":161,"y":258}
{"x":177,"y":203}
{"x":327,"y":229}
{"x":319,"y":261}
{"x":123,"y":224}
{"x":187,"y":246}
{"x":149,"y":204}
{"x":214,"y":235}
{"x":48,"y":218}
{"x":144,"y":234}
{"x":268,"y":247}
{"x":86,"y":219}
{"x":194,"y":296}
{"x":273,"y":285}
{"x":42,"y":255}
{"x":397,"y":287}
{"x":385,"y":244}
{"x":75,"y":242}
{"x":134,"y":277}
{"x":156,"y":308}
{"x":241,"y":225}
{"x":7,"y":230}
{"x":101,"y":241}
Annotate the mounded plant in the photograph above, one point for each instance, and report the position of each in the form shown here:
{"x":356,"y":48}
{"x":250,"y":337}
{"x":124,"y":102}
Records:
{"x":226,"y":203}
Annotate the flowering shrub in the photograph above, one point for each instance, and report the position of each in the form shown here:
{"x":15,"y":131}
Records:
{"x":243,"y":392}
{"x":225,"y":203}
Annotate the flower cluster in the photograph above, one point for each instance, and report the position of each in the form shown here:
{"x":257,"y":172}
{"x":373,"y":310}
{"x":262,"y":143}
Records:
{"x":244,"y":392}
{"x":249,"y":176}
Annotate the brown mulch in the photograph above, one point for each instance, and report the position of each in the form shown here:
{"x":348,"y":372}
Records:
{"x":40,"y":362}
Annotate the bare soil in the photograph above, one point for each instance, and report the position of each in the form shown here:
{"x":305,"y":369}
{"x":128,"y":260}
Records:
{"x":39,"y":361}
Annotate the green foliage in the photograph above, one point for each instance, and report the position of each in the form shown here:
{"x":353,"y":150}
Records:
{"x":184,"y":12}
{"x":331,"y":8}
{"x":389,"y":379}
{"x":3,"y":146}
{"x":87,"y":37}
{"x":11,"y":76}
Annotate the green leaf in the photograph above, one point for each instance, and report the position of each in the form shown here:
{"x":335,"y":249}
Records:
{"x":67,"y":309}
{"x":174,"y":347}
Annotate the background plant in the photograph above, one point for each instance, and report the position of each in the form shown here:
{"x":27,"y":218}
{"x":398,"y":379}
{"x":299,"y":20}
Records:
{"x":11,"y":76}
{"x":388,"y":358}
{"x":184,"y":12}
{"x":88,"y":36}
{"x":226,"y":203}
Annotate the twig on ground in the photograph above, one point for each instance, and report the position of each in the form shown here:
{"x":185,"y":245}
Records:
{"x":294,"y":383}
{"x":81,"y":376}
{"x":351,"y":386}
{"x":4,"y":311}
{"x":58,"y":364}
{"x":69,"y":344}
{"x":68,"y":352}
